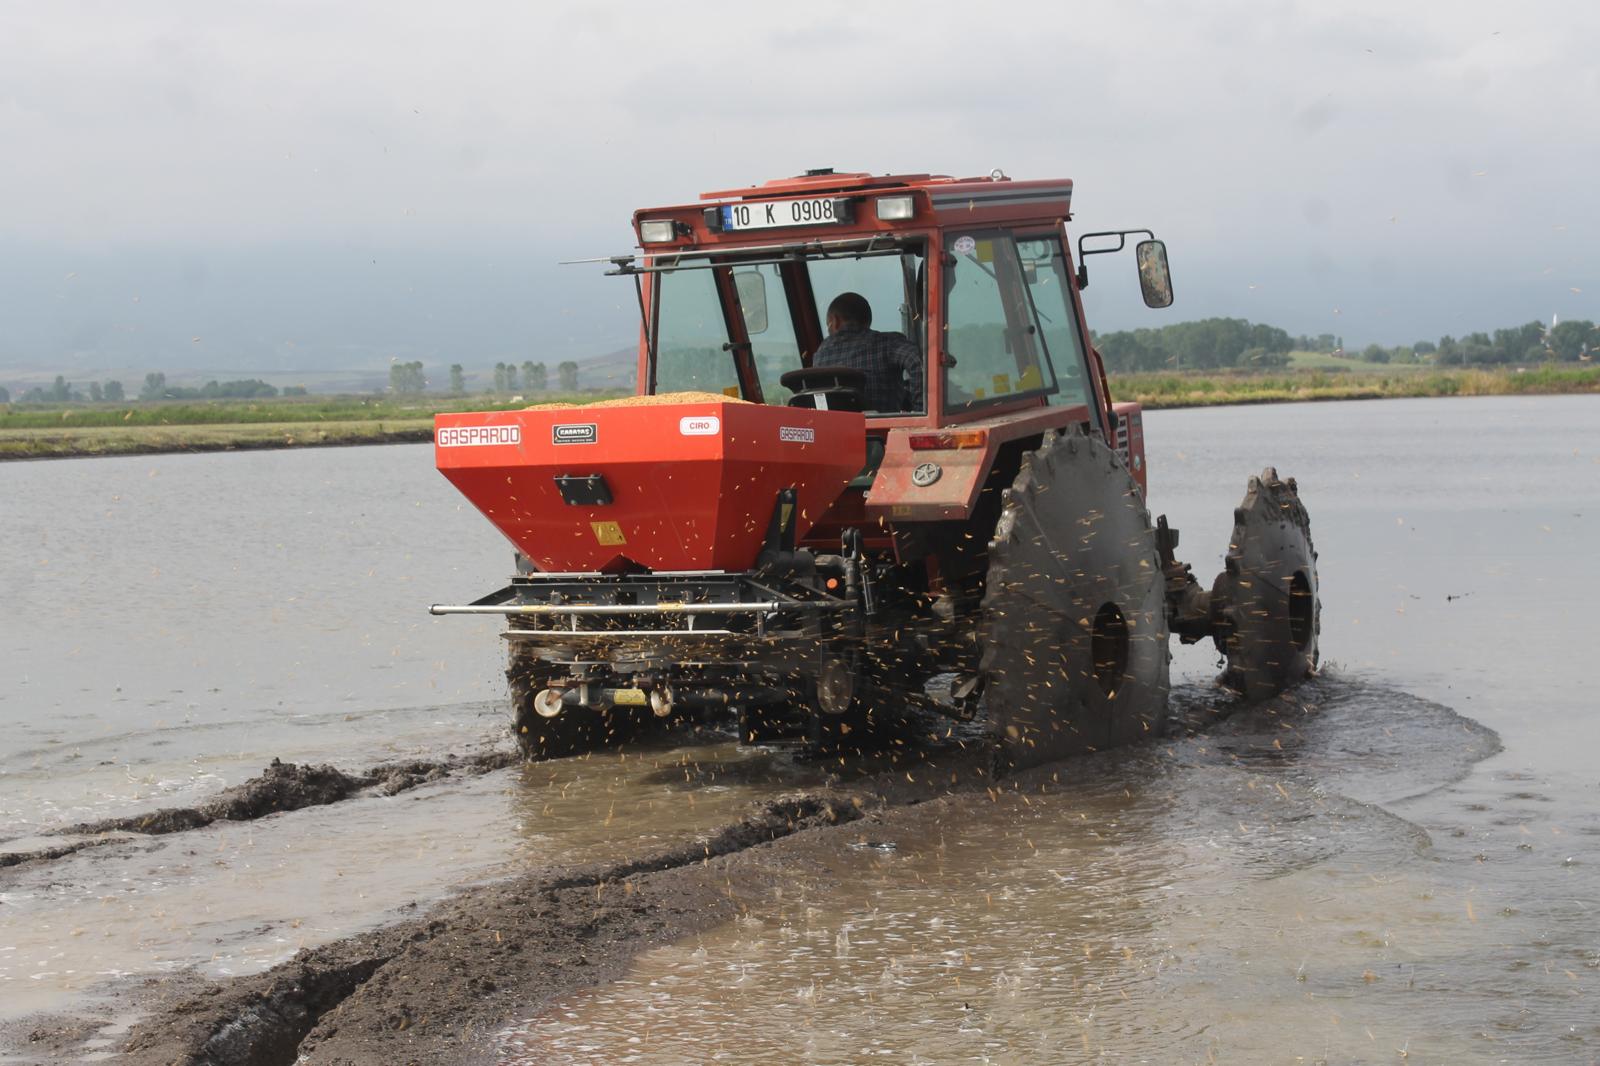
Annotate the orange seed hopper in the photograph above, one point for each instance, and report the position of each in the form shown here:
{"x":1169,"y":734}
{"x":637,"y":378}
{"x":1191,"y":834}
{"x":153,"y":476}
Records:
{"x":666,"y":487}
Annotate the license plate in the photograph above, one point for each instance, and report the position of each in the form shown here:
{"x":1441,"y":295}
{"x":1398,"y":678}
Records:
{"x":772,"y":214}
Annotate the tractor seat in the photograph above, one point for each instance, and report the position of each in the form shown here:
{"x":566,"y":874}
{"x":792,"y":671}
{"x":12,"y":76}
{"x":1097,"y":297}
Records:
{"x":825,"y":388}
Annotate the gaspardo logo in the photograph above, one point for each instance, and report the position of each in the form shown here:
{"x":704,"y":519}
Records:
{"x":797,"y":434}
{"x":471,"y":436}
{"x":575,"y":433}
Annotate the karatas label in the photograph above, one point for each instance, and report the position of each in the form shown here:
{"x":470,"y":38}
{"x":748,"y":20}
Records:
{"x":575,"y":433}
{"x":469,"y":436}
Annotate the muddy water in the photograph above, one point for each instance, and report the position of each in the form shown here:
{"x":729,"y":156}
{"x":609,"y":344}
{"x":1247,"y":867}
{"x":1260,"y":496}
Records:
{"x":237,"y":898}
{"x":171,"y":619}
{"x":1368,"y":877}
{"x":1160,"y":905}
{"x":173,"y":623}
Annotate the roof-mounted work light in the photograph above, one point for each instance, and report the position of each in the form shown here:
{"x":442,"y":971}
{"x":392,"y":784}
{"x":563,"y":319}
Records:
{"x":895,"y":208}
{"x":658,"y":231}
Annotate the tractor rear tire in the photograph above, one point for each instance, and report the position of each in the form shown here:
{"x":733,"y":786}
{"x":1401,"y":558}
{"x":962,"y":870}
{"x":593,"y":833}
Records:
{"x":1074,"y":628}
{"x":1267,"y":595}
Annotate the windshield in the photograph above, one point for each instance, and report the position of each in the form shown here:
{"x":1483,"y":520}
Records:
{"x":737,"y":325}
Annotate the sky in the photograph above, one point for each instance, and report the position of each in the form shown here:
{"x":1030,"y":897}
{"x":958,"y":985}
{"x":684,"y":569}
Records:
{"x":302,"y":186}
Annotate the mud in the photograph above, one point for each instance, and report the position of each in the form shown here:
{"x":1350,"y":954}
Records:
{"x":18,"y":858}
{"x":280,"y":787}
{"x":436,"y":987}
{"x":288,"y":787}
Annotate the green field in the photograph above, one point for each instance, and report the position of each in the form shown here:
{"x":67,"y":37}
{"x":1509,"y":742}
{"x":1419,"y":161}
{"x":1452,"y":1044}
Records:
{"x":144,"y":439}
{"x":1350,"y":381}
{"x":39,"y":432}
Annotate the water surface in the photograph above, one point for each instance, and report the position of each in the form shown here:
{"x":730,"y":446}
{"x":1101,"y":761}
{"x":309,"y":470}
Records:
{"x":1376,"y":880}
{"x":1362,"y":881}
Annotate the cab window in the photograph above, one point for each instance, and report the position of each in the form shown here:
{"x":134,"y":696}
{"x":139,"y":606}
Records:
{"x":765,"y":308}
{"x":692,"y":336}
{"x":994,"y":343}
{"x":892,"y":285}
{"x":1044,"y":268}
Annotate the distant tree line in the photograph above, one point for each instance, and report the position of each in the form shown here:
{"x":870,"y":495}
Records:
{"x":407,"y":378}
{"x":1574,"y":341}
{"x":157,"y":388}
{"x":1215,"y":343}
{"x":534,"y":377}
{"x":1208,"y":344}
{"x":60,"y":391}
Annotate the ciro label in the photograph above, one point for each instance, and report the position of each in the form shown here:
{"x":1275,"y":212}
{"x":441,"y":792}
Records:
{"x":965,"y":245}
{"x":699,"y":425}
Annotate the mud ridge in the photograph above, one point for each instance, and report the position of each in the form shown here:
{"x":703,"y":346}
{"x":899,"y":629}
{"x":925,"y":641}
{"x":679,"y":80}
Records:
{"x":774,"y":819}
{"x":409,"y":991}
{"x":18,"y":858}
{"x":289,"y":787}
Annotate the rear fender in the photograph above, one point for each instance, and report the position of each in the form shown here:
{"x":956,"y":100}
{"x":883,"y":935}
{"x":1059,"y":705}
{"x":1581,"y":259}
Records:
{"x":950,"y":493}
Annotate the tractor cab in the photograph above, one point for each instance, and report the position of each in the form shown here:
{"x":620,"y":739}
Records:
{"x":973,"y":273}
{"x":974,"y":320}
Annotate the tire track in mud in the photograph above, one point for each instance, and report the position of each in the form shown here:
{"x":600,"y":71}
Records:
{"x":432,"y":986}
{"x":280,"y":787}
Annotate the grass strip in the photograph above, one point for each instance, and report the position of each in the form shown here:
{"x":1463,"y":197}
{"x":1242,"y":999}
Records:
{"x":1199,"y":389}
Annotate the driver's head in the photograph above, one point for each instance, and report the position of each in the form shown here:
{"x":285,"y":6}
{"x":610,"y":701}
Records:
{"x":848,"y":311}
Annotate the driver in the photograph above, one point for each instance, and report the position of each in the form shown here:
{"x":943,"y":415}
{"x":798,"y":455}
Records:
{"x":893,"y":365}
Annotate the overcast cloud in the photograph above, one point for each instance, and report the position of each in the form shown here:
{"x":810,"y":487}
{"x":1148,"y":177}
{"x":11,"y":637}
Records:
{"x":306,"y":185}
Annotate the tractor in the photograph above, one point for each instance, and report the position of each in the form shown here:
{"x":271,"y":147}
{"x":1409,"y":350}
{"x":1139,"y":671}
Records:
{"x":746,"y":537}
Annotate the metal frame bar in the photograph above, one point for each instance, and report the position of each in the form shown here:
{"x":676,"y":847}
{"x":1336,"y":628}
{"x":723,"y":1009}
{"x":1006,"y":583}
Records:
{"x":758,"y":607}
{"x":562,"y":636}
{"x":859,"y":247}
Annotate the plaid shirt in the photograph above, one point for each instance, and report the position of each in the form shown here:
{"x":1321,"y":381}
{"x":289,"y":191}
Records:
{"x":893,"y":366}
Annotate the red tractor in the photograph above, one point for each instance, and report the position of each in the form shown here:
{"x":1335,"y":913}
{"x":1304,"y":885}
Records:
{"x":749,"y":534}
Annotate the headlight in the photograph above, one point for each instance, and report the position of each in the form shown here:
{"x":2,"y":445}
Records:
{"x":894,"y":208}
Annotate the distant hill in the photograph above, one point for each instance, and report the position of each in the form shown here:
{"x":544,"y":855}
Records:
{"x":613,"y":370}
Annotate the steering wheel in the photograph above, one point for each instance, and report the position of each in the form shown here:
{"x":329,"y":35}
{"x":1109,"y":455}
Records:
{"x":813,"y":378}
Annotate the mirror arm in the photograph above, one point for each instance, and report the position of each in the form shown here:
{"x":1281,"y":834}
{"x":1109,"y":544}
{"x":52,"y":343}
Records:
{"x":1121,"y":235}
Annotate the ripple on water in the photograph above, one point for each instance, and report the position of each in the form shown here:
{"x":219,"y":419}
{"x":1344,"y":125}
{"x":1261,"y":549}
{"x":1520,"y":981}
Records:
{"x":1210,"y":894}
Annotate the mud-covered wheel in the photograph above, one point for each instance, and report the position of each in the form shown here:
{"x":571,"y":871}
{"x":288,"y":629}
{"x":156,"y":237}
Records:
{"x":573,"y":731}
{"x":1074,"y":629}
{"x":873,"y":702}
{"x":1266,"y":597}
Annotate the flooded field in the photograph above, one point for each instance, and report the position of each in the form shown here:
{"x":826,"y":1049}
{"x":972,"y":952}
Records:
{"x":1403,"y":863}
{"x":1214,"y":896}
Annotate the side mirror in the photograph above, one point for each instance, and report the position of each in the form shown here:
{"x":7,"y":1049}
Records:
{"x":751,"y":288}
{"x":1155,"y":279}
